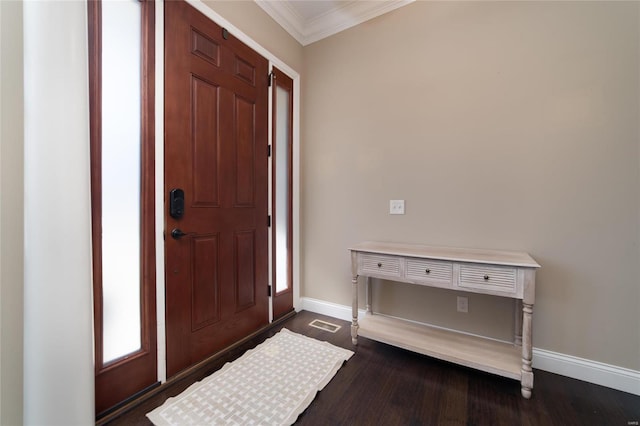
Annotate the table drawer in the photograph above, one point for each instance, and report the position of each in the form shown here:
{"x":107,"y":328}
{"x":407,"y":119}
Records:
{"x":428,"y":270}
{"x":381,"y":265}
{"x":488,"y":278}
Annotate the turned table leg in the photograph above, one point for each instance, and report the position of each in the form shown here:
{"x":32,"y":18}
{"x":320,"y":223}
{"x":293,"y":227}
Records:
{"x":527,"y":350}
{"x":354,"y":310}
{"x":517,"y":338}
{"x":368,"y":289}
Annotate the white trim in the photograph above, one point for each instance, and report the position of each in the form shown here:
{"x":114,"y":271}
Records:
{"x":350,"y":15}
{"x":596,"y":372}
{"x":608,"y":375}
{"x":328,"y":308}
{"x":286,"y":16}
{"x":1,"y":199}
{"x":161,"y":338}
{"x":340,"y":18}
{"x":296,"y":190}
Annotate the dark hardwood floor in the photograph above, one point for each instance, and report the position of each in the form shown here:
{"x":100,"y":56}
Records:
{"x":384,"y":385}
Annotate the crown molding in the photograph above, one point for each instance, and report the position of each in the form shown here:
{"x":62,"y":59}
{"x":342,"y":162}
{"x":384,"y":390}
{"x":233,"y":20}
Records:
{"x":286,"y":16}
{"x":329,"y":23}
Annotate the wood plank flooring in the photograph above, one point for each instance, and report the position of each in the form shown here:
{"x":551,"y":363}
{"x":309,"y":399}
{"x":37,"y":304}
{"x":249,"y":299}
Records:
{"x":384,"y":385}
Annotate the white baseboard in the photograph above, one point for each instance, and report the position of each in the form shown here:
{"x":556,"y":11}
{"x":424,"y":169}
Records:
{"x":330,"y":309}
{"x":596,"y":372}
{"x":599,"y":373}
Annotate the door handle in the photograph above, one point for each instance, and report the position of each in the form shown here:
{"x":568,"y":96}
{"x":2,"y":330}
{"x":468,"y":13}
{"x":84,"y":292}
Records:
{"x":177,"y":233}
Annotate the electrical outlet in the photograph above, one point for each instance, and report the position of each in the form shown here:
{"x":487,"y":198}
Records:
{"x":396,"y":206}
{"x":463,"y":304}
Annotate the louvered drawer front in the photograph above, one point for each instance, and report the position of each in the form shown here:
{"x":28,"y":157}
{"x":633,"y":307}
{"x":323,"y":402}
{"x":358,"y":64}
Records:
{"x":381,"y":265}
{"x":425,"y":270}
{"x":488,"y":278}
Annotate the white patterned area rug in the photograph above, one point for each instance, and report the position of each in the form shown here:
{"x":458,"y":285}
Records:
{"x":268,"y":385}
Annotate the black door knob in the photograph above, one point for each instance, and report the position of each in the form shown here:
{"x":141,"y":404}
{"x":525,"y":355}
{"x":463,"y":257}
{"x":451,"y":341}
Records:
{"x":177,"y":233}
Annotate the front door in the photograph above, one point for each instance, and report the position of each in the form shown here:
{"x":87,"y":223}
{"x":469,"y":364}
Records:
{"x":216,"y":229}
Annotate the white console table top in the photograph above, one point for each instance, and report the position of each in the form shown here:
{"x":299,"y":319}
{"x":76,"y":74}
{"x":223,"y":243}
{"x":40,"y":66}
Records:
{"x":491,"y":257}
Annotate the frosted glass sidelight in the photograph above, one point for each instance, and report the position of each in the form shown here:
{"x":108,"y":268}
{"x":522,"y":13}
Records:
{"x":282,"y":162}
{"x":121,"y":168}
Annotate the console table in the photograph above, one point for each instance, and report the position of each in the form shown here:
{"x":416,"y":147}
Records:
{"x":498,"y":273}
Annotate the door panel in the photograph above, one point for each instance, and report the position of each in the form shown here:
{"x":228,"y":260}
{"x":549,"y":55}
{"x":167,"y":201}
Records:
{"x":245,"y":273}
{"x":215,"y":150}
{"x":245,"y":152}
{"x":205,"y":47}
{"x":205,"y":300}
{"x":206,"y":158}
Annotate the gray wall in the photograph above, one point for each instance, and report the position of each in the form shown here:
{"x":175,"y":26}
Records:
{"x":507,"y":125}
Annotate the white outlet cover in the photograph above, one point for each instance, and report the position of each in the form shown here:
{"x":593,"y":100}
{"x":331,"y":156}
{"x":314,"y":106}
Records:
{"x":463,"y":304}
{"x":396,"y":206}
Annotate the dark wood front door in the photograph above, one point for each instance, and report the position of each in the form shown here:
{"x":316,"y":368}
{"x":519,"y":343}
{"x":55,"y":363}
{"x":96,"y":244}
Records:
{"x":216,"y":112}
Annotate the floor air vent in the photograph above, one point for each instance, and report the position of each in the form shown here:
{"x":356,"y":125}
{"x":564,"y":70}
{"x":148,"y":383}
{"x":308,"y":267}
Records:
{"x":326,"y":326}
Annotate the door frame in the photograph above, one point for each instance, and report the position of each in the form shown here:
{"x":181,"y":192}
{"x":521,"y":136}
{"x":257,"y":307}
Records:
{"x":159,"y":151}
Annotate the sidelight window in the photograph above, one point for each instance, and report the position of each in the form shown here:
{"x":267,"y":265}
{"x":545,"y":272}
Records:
{"x":121,"y":99}
{"x":121,"y":178}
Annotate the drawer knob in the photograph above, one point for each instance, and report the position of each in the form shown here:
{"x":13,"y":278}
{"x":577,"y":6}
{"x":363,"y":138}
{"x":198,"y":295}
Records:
{"x":427,"y":271}
{"x":379,"y":265}
{"x":486,"y":277}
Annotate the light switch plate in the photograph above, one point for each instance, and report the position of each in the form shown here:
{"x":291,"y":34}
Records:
{"x":396,"y":206}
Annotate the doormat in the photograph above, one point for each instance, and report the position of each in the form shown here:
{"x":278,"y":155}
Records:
{"x":270,"y":384}
{"x":326,"y":326}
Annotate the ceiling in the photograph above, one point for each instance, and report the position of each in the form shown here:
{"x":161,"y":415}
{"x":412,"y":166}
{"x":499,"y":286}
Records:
{"x":311,"y":20}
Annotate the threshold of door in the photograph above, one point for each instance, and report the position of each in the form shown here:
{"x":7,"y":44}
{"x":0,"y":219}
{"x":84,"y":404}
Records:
{"x":136,"y":396}
{"x":326,"y":326}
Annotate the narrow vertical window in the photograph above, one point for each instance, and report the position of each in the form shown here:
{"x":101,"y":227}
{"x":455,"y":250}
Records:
{"x":121,"y":91}
{"x":282,"y":193}
{"x":121,"y":177}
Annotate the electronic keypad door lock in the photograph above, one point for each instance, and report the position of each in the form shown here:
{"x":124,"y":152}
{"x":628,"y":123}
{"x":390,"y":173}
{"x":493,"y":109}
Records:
{"x":176,"y":203}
